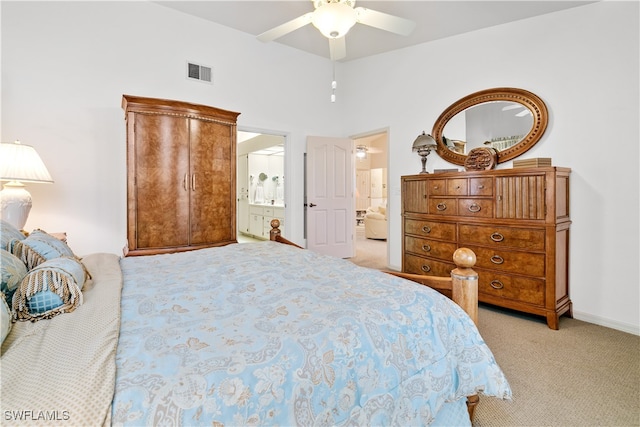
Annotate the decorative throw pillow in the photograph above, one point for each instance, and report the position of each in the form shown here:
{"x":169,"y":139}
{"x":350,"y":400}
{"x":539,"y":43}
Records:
{"x":12,"y":271}
{"x":5,"y":318}
{"x":38,"y":248}
{"x":8,"y":233}
{"x":51,"y":288}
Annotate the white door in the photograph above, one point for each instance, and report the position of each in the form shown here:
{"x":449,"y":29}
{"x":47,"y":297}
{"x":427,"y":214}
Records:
{"x":330,"y":199}
{"x":243,"y":193}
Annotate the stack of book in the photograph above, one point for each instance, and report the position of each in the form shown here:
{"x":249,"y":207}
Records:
{"x":532,"y":163}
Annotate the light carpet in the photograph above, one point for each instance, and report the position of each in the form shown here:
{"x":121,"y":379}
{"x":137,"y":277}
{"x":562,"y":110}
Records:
{"x":580,"y":375}
{"x":369,"y":252}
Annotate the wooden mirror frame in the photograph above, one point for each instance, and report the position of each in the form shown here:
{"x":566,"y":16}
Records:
{"x":530,"y":100}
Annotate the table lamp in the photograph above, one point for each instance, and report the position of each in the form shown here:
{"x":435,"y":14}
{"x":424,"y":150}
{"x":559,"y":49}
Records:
{"x":19,"y":163}
{"x":423,"y":146}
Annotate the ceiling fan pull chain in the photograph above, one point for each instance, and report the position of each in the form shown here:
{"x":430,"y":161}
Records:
{"x":333,"y":83}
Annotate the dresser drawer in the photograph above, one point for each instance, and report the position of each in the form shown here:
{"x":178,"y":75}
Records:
{"x":524,"y":263}
{"x":481,"y":187}
{"x":437,"y":187}
{"x":519,"y":238}
{"x":479,"y":208}
{"x":430,"y":229}
{"x":427,"y":266}
{"x":518,"y":288}
{"x":457,"y":187}
{"x":442,"y":206}
{"x":431,"y":248}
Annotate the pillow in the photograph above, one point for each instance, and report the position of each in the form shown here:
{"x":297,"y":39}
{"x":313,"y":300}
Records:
{"x":8,"y":233}
{"x":5,"y":318}
{"x":38,"y":248}
{"x":12,"y":271}
{"x":382,"y":210}
{"x":53,"y":287}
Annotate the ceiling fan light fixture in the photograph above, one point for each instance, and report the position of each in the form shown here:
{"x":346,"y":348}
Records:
{"x":334,"y":20}
{"x":361,"y":152}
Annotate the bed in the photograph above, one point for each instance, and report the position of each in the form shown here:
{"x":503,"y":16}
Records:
{"x":247,"y":334}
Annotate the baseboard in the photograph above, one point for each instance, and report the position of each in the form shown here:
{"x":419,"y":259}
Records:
{"x":608,"y":323}
{"x":395,"y":267}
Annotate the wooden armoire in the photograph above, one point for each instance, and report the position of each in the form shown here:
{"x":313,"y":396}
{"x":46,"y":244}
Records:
{"x":515,"y":220}
{"x":181,"y":175}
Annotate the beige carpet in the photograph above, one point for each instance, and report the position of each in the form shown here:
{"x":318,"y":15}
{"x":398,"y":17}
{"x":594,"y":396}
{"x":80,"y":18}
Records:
{"x":369,"y":252}
{"x":580,"y":375}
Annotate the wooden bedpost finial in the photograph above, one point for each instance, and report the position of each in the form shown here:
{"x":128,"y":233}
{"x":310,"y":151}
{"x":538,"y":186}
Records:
{"x":275,"y":229}
{"x":464,"y":258}
{"x":464,"y":282}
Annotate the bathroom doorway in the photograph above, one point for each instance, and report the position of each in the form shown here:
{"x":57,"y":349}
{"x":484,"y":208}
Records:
{"x":260,"y":184}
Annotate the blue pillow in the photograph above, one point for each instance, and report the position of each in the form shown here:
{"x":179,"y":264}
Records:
{"x":38,"y":248}
{"x":12,"y":271}
{"x":5,"y":318}
{"x":8,"y":233}
{"x":53,"y":287}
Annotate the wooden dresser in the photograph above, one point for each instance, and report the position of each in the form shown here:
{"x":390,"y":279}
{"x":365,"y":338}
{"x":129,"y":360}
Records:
{"x":515,"y":220}
{"x":181,"y":175}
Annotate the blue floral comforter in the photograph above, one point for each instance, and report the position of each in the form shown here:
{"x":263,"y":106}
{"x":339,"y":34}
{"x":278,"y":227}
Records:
{"x":269,"y":334}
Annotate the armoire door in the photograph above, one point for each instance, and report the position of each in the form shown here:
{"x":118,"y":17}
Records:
{"x":213,"y":169}
{"x":161,"y":181}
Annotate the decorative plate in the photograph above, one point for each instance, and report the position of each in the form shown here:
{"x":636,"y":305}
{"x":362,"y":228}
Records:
{"x":480,"y":159}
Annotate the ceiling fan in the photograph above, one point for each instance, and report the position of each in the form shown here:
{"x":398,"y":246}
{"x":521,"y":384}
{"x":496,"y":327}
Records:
{"x":334,"y":19}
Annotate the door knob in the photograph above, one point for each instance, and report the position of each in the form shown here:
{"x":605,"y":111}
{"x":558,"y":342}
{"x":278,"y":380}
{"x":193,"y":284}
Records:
{"x":312,"y":205}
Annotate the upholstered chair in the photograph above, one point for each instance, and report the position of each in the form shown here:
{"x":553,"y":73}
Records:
{"x":375,"y":223}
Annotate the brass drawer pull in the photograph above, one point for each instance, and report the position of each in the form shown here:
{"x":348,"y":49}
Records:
{"x":497,"y":237}
{"x":184,"y":182}
{"x":497,"y":284}
{"x":436,"y":187}
{"x":193,"y":182}
{"x":474,"y":208}
{"x":480,"y":187}
{"x":441,"y":206}
{"x":497,"y":259}
{"x":426,"y":268}
{"x":426,"y":229}
{"x":426,"y":248}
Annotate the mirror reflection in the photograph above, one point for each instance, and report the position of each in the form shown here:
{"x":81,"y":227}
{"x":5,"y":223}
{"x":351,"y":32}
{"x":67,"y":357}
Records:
{"x":509,"y":120}
{"x":498,"y":124}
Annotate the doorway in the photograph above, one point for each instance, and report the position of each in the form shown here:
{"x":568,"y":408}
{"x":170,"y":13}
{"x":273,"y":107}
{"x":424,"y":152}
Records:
{"x":371,"y":177}
{"x":260,"y":184}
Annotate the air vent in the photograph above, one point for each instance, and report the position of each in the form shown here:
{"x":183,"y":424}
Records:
{"x":199,"y":72}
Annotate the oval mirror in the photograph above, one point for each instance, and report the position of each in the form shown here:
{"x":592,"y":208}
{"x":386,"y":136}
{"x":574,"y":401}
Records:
{"x":509,"y":120}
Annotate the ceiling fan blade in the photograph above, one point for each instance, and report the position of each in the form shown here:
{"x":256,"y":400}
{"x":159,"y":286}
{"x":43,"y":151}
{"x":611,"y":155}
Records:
{"x":384,"y":21}
{"x":337,"y":48}
{"x":285,"y":28}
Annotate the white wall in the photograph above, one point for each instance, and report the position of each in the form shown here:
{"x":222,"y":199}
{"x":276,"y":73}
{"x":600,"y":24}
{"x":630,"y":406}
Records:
{"x":583,"y":63}
{"x":66,"y":65}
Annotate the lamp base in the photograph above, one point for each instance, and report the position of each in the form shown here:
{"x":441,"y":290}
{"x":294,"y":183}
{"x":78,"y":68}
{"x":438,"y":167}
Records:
{"x":15,"y":201}
{"x":423,"y":159}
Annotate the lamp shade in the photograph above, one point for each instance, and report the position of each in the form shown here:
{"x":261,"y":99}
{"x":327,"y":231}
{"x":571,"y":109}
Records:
{"x":334,"y":20}
{"x":424,"y":141}
{"x":20,"y":162}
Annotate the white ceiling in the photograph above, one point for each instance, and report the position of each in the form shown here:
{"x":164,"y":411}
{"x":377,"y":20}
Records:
{"x":435,"y":20}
